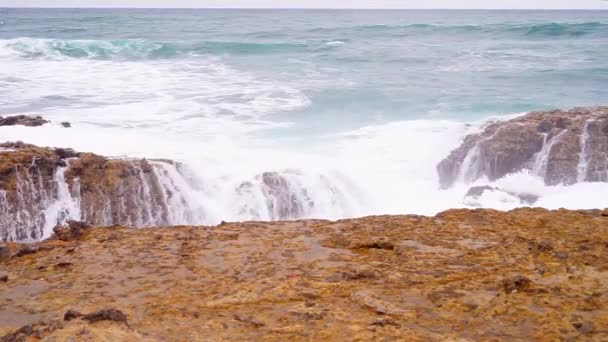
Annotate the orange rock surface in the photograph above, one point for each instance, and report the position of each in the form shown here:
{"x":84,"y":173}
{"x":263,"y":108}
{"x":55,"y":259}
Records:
{"x":529,"y":274}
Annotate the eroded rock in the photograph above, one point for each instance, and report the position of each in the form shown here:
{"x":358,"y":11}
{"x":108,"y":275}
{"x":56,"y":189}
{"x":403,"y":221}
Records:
{"x":22,"y":120}
{"x":113,"y":315}
{"x":562,"y":147}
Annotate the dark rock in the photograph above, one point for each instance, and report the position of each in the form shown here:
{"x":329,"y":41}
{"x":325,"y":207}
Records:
{"x":25,"y":250}
{"x":541,"y":247}
{"x":65,"y":153}
{"x":72,"y":231}
{"x":32,"y":332}
{"x":373,"y":244}
{"x":71,"y":314}
{"x":514,"y":145}
{"x":516,"y":284}
{"x":359,"y":273}
{"x":23,"y":120}
{"x":477,"y":191}
{"x":3,"y":278}
{"x":283,"y":200}
{"x":66,"y":124}
{"x":385,"y":321}
{"x":106,"y":315}
{"x":248,"y":320}
{"x":584,"y":327}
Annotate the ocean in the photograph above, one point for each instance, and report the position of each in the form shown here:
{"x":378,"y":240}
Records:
{"x":354,"y":108}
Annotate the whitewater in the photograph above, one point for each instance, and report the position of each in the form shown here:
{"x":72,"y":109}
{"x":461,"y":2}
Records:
{"x":354,"y":109}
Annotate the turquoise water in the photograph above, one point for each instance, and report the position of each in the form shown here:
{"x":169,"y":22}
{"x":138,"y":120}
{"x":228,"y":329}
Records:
{"x":355,"y":67}
{"x":360,"y":103}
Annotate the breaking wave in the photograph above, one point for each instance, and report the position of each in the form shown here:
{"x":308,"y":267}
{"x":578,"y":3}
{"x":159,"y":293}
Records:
{"x":131,"y":49}
{"x":543,"y":30}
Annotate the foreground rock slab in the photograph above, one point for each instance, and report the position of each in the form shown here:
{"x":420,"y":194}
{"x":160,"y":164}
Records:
{"x":529,"y":274}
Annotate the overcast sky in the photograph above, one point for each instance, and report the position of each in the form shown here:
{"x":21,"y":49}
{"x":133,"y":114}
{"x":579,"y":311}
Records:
{"x":548,"y":4}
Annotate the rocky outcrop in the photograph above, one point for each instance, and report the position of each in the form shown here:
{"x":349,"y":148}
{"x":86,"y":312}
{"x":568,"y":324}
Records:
{"x":562,"y":147}
{"x":282,"y":198}
{"x":475,"y":193}
{"x":23,"y":120}
{"x":42,"y":187}
{"x":463,"y":275}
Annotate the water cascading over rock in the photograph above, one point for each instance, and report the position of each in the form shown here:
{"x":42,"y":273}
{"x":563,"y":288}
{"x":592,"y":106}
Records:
{"x":562,"y":147}
{"x":42,"y":187}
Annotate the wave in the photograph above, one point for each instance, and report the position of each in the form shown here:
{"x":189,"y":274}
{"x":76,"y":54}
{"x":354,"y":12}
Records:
{"x":546,"y":30}
{"x":35,"y":48}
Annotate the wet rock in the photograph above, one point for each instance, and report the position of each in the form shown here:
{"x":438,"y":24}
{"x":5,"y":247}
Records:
{"x":26,"y":250}
{"x":376,"y":243}
{"x":584,"y":327}
{"x":516,"y":284}
{"x":71,"y":314}
{"x":284,"y":199}
{"x":106,"y":315}
{"x":65,"y":153}
{"x":385,"y":321}
{"x":247,"y":319}
{"x":541,"y":246}
{"x":22,"y":120}
{"x":66,"y":124}
{"x":560,"y":146}
{"x":472,"y":196}
{"x":358,"y":273}
{"x":35,"y":331}
{"x":73,"y":230}
{"x":367,"y":300}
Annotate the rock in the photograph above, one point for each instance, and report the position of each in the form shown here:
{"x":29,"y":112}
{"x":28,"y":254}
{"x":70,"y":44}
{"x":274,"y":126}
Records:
{"x":26,"y":250}
{"x":248,"y":320}
{"x":285,"y":200}
{"x":35,"y":331}
{"x":71,"y":314}
{"x":106,"y":315}
{"x":109,"y":191}
{"x":66,"y":124}
{"x":516,"y":284}
{"x":365,"y":299}
{"x":559,"y":146}
{"x":385,"y":321}
{"x":358,"y":273}
{"x":73,"y":230}
{"x":23,"y":120}
{"x":584,"y":327}
{"x":65,"y":153}
{"x":472,"y":196}
{"x":375,"y":243}
{"x":3,"y":278}
{"x":273,"y":281}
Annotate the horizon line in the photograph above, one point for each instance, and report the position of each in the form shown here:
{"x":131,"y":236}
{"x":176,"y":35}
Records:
{"x":315,"y":8}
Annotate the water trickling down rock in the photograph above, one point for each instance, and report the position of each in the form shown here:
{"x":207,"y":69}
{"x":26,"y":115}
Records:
{"x":562,"y":147}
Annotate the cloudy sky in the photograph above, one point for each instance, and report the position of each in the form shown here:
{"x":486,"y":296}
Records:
{"x":552,"y":4}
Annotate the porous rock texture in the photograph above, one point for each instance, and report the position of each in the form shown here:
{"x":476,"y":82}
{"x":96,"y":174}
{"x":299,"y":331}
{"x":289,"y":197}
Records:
{"x":104,"y":191}
{"x":463,"y":275}
{"x":562,"y":147}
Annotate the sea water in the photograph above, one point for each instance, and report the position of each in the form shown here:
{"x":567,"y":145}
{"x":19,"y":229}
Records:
{"x":354,"y":108}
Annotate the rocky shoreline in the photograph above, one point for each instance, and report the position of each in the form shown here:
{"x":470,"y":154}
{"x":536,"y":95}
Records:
{"x":463,"y":275}
{"x":561,"y":147}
